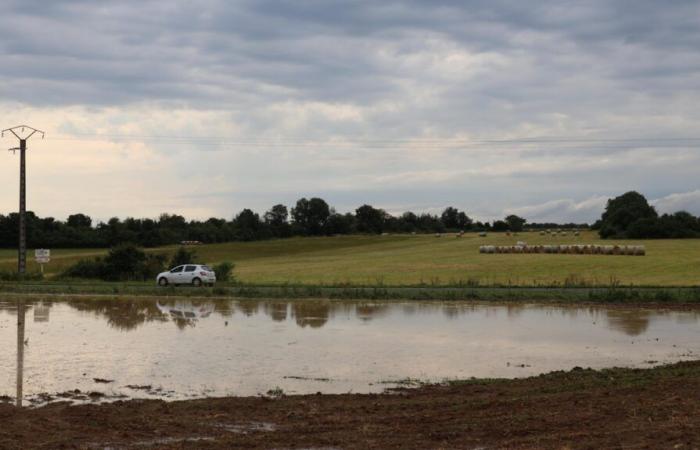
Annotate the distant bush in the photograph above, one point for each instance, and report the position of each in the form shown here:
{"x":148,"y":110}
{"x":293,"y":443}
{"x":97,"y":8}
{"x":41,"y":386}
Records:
{"x":123,"y":263}
{"x":224,"y":271}
{"x":183,"y":256}
{"x":7,"y":275}
{"x":85,"y":268}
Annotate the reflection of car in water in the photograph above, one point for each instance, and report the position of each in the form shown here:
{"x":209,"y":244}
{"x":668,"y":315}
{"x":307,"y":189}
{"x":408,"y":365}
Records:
{"x":194,"y":274}
{"x":185,"y":310}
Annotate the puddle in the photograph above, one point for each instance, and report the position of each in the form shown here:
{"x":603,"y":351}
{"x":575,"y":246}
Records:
{"x":97,"y":350}
{"x":245,"y":428}
{"x":152,"y":443}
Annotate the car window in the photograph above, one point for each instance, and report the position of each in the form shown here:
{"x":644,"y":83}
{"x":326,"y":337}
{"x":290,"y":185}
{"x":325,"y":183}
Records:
{"x":178,"y":269}
{"x":190,"y":268}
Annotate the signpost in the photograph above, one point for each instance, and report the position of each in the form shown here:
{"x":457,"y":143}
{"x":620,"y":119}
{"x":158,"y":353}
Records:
{"x":42,"y":256}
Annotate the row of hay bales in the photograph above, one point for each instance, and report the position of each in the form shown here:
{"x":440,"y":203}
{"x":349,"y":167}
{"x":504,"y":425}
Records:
{"x":558,"y":233}
{"x":629,"y":250}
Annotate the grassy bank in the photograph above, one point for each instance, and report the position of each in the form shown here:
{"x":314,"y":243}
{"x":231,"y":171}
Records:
{"x":614,"y":294}
{"x":412,"y":260}
{"x":582,"y":408}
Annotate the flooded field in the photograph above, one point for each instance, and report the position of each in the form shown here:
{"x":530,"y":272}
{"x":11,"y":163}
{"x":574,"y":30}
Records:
{"x":96,"y":349}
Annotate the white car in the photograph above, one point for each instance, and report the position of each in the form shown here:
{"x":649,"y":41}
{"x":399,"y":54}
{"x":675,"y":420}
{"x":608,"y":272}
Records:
{"x":194,"y":274}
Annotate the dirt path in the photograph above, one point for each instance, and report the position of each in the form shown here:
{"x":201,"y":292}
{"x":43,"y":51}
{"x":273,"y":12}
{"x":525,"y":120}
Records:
{"x":646,"y":408}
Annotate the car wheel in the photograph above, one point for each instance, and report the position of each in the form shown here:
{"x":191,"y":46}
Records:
{"x":163,"y":281}
{"x":196,"y":282}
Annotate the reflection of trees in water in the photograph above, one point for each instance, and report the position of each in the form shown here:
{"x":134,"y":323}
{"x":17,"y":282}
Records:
{"x":128,"y":314}
{"x":368,"y":311}
{"x":225,"y":307}
{"x":276,"y":310}
{"x":311,"y":313}
{"x":248,"y":307}
{"x":630,"y":322}
{"x":121,"y":314}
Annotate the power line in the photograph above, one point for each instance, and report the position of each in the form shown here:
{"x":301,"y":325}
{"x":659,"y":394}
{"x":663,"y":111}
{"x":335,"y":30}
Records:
{"x":679,"y":142}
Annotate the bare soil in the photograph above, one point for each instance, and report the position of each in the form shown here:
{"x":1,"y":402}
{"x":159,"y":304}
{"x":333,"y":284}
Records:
{"x":615,"y":408}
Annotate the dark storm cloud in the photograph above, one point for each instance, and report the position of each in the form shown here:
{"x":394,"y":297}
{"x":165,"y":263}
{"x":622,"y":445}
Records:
{"x":119,"y":52}
{"x":625,"y":73}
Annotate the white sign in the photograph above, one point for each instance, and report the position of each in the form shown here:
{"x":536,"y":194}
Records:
{"x":42,"y":255}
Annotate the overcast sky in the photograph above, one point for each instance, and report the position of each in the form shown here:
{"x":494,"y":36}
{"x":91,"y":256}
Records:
{"x":545,"y":109}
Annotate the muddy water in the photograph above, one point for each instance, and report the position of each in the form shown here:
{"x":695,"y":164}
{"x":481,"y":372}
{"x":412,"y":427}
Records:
{"x":92,"y":349}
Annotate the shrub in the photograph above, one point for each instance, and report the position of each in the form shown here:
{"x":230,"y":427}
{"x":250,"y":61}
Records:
{"x":153,"y":265}
{"x":15,"y":276}
{"x":86,"y":268}
{"x":183,"y":256}
{"x":224,"y":271}
{"x":123,"y":263}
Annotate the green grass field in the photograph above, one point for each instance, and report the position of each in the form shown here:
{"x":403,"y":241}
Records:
{"x":424,"y":259}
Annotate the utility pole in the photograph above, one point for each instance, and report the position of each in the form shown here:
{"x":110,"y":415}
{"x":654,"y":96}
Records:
{"x":23,"y":133}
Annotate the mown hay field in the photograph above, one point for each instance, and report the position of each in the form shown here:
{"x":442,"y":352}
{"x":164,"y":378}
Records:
{"x":426,"y":259}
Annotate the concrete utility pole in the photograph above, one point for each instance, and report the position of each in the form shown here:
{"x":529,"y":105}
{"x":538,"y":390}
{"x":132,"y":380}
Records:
{"x":23,"y":133}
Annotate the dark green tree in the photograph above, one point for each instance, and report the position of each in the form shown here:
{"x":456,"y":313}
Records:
{"x":124,"y":262}
{"x":369,"y":219}
{"x":310,"y":216}
{"x":183,"y":256}
{"x":277,"y":220}
{"x":622,"y":211}
{"x":515,"y":223}
{"x":79,"y":221}
{"x":247,"y":226}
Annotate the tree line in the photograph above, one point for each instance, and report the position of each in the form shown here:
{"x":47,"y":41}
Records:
{"x":626,"y":216}
{"x":630,"y":216}
{"x":309,"y":217}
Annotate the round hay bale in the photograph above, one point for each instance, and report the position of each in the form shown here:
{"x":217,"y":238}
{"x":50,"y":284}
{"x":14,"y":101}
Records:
{"x":640,"y":250}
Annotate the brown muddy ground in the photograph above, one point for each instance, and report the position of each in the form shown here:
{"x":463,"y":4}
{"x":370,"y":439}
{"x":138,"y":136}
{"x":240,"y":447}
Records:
{"x":617,"y":408}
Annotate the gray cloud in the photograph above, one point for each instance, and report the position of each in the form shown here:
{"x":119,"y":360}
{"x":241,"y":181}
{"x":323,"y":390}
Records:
{"x":623,"y":76}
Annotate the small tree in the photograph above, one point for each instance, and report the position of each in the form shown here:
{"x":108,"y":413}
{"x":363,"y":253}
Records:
{"x":369,"y":219}
{"x":622,"y":211}
{"x":224,"y":271}
{"x":183,"y":256}
{"x":124,"y":262}
{"x":515,"y":223}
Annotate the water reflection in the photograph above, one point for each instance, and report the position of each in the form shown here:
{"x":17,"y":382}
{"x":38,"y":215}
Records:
{"x":129,"y":314}
{"x":633,"y":323}
{"x":185,"y":313}
{"x":20,"y":351}
{"x":195,"y":347}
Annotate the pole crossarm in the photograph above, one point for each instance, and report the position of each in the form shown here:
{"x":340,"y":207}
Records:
{"x":21,"y":129}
